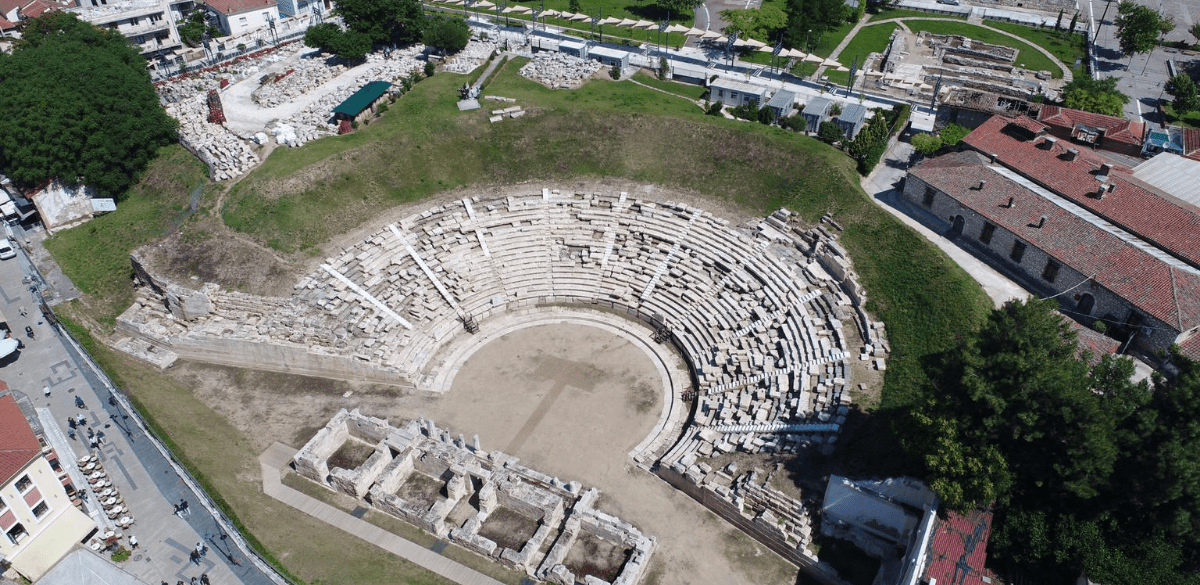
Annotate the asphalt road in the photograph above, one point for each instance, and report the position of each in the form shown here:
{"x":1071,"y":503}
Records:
{"x":137,"y":467}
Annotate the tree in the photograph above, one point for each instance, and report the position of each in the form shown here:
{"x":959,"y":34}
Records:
{"x":322,"y":36}
{"x":678,"y":6}
{"x":574,"y":6}
{"x":1074,"y":21}
{"x":1019,"y":387}
{"x":194,"y":27}
{"x":1195,"y":30}
{"x":1058,"y":23}
{"x":447,"y":33}
{"x":1138,"y":27}
{"x":1183,"y":89}
{"x":343,"y":44}
{"x":77,"y":105}
{"x":1092,"y":95}
{"x":818,"y":16}
{"x":756,"y":23}
{"x":383,"y":21}
{"x":952,"y":134}
{"x":927,"y":144}
{"x":830,"y":132}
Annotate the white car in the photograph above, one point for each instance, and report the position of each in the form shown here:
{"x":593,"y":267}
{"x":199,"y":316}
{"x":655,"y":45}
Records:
{"x":6,"y":249}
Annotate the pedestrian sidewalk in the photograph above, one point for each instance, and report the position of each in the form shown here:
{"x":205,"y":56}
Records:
{"x":278,"y":455}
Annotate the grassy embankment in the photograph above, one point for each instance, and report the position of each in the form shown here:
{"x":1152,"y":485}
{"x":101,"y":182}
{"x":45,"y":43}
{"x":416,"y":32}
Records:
{"x":422,"y":146}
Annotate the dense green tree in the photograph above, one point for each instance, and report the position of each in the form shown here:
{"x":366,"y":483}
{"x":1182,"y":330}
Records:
{"x":383,"y":21}
{"x":1183,"y":89}
{"x":818,"y":16}
{"x":952,"y":134}
{"x":927,"y":144}
{"x":343,"y":44}
{"x":756,"y":23}
{"x":449,"y":34}
{"x":77,"y":105}
{"x":574,"y":6}
{"x":829,"y":131}
{"x":678,"y":6}
{"x":193,"y":28}
{"x":1138,"y":27}
{"x":1094,"y":95}
{"x":1074,"y":21}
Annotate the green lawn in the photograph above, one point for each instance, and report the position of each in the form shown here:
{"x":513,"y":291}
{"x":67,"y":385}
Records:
{"x":1068,"y":48}
{"x":870,"y":39}
{"x":1188,"y":120}
{"x":1027,"y":57}
{"x":423,"y":145}
{"x":686,"y":90}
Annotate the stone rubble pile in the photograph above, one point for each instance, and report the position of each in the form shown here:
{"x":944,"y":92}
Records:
{"x":558,"y":70}
{"x":310,"y":73}
{"x":471,"y":57}
{"x":316,"y":119}
{"x":226,"y":155}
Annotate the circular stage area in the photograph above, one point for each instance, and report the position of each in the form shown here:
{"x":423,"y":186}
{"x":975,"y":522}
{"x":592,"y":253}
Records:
{"x":566,"y":397}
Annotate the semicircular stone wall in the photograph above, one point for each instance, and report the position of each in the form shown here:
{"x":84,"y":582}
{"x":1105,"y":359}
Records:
{"x":762,"y":314}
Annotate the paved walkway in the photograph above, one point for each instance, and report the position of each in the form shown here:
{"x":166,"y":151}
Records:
{"x":278,"y":455}
{"x":883,"y":186}
{"x":842,"y":45}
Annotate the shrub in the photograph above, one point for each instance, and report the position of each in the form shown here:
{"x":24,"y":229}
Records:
{"x":430,"y":68}
{"x":121,"y":555}
{"x":927,"y":144}
{"x":795,"y":123}
{"x":714,"y":109}
{"x":745,"y":112}
{"x":952,"y":134}
{"x":381,"y":109}
{"x":835,"y":110}
{"x":615,"y":72}
{"x":830,"y":132}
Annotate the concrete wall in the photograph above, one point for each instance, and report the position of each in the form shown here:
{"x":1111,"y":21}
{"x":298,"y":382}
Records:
{"x":237,"y":24}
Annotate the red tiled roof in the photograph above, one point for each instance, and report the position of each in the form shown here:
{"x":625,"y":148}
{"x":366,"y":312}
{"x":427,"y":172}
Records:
{"x":37,"y":8}
{"x":7,"y":6}
{"x":18,"y":446}
{"x":1116,"y":129}
{"x":5,"y":24}
{"x":1190,"y":347}
{"x":1191,"y":143}
{"x":1168,"y":222}
{"x":230,"y":7}
{"x":1170,"y":294}
{"x":958,"y":549}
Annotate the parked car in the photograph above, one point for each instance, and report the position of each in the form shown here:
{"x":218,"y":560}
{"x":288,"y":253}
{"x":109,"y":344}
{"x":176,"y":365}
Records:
{"x":950,"y":2}
{"x":6,"y":249}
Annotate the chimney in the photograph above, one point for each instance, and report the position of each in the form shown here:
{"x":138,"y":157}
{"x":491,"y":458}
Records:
{"x":1009,"y":205}
{"x":1106,"y":169}
{"x":1071,"y":154}
{"x":981,"y":184}
{"x":1048,"y":142}
{"x":1041,"y":221}
{"x":1105,"y":189}
{"x":993,"y":157}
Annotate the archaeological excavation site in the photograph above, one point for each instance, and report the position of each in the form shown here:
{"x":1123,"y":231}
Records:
{"x":754,"y":338}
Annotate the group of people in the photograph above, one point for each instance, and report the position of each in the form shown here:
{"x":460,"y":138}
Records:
{"x":203,"y":580}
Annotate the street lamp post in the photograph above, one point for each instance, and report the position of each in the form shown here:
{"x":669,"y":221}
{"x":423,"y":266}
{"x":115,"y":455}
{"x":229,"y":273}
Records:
{"x":806,"y":40}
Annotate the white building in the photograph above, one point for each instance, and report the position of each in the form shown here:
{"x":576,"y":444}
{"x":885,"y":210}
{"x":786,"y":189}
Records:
{"x":149,"y":24}
{"x":236,"y":17}
{"x":38,"y":520}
